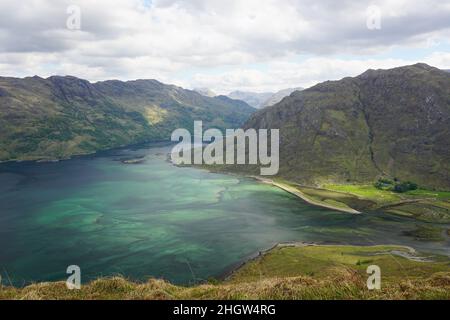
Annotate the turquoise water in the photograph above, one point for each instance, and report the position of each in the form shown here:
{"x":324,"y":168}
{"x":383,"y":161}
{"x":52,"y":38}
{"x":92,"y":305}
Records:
{"x":157,"y":220}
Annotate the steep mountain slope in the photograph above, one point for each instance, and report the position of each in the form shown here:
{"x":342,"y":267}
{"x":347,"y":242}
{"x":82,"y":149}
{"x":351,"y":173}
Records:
{"x":392,"y":123}
{"x":277,"y":97}
{"x":254,"y":99}
{"x":62,"y":116}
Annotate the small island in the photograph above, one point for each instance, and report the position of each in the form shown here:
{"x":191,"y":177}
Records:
{"x":134,"y":161}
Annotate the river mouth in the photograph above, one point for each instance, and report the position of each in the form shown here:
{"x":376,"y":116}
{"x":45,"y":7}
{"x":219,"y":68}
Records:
{"x":111,"y":215}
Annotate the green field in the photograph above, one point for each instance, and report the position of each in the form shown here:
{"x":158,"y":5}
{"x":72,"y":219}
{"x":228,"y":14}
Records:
{"x":321,"y":262}
{"x":366,"y":191}
{"x":423,"y":205}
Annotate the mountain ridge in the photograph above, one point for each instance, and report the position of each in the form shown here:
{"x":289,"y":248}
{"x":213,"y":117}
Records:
{"x":61,"y":116}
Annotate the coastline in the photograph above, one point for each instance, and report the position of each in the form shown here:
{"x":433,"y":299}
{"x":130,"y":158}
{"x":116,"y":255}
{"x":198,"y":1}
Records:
{"x":302,"y":196}
{"x":294,"y":191}
{"x":287,"y":271}
{"x":409,"y":253}
{"x":227,"y":274}
{"x":42,"y":159}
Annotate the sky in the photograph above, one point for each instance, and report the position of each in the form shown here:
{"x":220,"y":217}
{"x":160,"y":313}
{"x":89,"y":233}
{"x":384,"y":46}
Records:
{"x":250,"y":45}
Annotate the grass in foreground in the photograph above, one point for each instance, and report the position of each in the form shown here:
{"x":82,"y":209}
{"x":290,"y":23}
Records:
{"x":313,"y":272}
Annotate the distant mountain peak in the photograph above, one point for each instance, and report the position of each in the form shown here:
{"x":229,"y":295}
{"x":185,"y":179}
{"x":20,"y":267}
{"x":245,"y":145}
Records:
{"x":254,"y":99}
{"x":205,"y":92}
{"x":280,"y":95}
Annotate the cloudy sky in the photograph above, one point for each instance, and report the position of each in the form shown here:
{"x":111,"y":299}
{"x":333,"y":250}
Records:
{"x":257,"y":45}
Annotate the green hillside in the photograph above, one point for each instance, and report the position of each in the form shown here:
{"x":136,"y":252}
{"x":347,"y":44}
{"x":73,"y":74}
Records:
{"x":384,"y":123}
{"x":59,"y":117}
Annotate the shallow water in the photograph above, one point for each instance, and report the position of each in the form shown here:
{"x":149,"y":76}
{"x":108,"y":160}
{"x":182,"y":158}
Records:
{"x":157,"y":220}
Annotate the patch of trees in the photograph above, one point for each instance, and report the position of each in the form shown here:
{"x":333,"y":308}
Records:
{"x":395,"y":185}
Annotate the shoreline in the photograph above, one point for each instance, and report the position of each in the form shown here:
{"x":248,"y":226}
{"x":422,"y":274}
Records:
{"x":410,"y":254}
{"x":44,"y":159}
{"x":296,"y":192}
{"x":396,"y":250}
{"x":343,"y":276}
{"x":301,"y":195}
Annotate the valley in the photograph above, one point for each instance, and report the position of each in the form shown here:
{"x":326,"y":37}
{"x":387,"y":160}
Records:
{"x":363,"y":178}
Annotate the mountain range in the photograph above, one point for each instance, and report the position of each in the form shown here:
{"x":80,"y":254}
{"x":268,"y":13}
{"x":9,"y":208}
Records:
{"x":58,"y":117}
{"x":383,"y":123}
{"x":261,"y":100}
{"x":257,"y":100}
{"x":254,"y":99}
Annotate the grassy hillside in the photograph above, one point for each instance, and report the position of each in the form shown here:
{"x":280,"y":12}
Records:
{"x":384,"y":123}
{"x":62,"y":116}
{"x":285,"y":272}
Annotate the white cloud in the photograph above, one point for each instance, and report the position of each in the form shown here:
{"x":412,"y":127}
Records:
{"x":284,"y":74}
{"x":185,"y":41}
